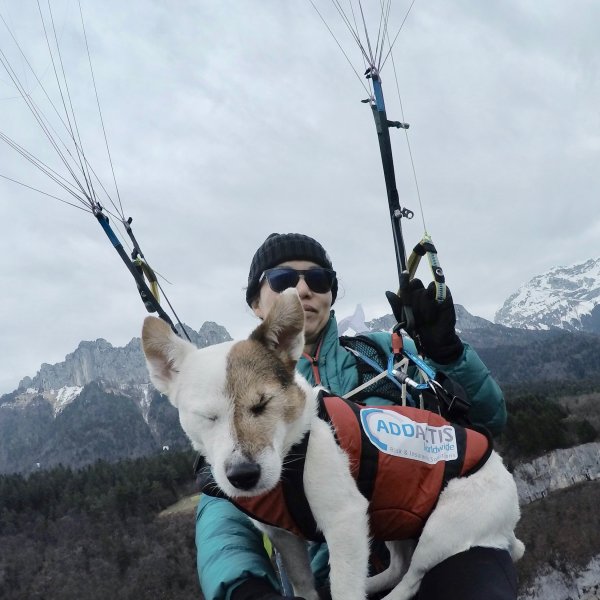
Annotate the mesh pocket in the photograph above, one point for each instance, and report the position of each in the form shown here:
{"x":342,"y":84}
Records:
{"x":383,"y":387}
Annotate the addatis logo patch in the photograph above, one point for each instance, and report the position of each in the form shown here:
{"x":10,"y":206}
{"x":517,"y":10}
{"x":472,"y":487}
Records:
{"x":398,"y":435}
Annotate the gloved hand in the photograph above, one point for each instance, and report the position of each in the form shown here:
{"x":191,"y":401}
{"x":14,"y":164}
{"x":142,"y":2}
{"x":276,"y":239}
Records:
{"x":258,"y":589}
{"x":434,"y":323}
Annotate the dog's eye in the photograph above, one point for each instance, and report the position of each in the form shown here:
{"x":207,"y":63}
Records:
{"x":259,"y":407}
{"x":211,"y":418}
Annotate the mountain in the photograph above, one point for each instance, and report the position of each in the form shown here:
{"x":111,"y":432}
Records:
{"x":100,"y":360}
{"x":96,"y":404}
{"x":564,"y":297}
{"x":514,"y":355}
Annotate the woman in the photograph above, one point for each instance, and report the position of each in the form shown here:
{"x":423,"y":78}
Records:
{"x":232,"y":563}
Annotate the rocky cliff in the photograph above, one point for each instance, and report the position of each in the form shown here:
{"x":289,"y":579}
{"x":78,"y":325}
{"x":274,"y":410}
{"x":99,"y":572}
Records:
{"x":559,"y":494}
{"x":96,"y":360}
{"x":557,"y":470}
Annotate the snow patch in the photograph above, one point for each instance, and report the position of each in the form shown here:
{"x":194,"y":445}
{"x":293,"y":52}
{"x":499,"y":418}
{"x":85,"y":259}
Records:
{"x":145,"y":401}
{"x":65,"y":396}
{"x":566,"y":585}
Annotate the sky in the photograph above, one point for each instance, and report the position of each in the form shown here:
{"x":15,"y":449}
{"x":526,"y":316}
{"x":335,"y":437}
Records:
{"x":227,"y":121}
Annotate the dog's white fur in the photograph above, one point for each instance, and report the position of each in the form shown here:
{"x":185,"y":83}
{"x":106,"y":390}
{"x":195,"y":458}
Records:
{"x":234,"y":410}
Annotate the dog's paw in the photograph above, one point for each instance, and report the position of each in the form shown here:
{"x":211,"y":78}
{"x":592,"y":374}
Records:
{"x":405,"y":590}
{"x":517,"y":549}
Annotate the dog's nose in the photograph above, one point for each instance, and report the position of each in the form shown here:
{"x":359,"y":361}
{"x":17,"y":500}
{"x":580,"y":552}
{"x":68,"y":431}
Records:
{"x":243,"y":475}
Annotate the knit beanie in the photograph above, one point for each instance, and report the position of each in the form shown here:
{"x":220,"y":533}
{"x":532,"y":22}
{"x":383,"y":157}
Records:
{"x":281,"y":247}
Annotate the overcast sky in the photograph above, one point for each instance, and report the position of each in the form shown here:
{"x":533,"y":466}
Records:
{"x":229,"y":120}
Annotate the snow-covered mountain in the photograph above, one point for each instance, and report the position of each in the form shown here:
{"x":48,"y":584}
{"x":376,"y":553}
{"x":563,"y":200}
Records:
{"x":564,"y":297}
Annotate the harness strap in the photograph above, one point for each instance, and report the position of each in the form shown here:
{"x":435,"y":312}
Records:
{"x":383,"y":374}
{"x":375,"y":366}
{"x":292,"y":487}
{"x":457,"y":467}
{"x":452,"y":399}
{"x":314,"y":362}
{"x":452,"y":468}
{"x":369,"y":455}
{"x":292,"y":484}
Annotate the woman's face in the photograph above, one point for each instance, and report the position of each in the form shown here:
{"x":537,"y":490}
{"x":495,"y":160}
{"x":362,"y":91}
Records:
{"x":316,"y":306}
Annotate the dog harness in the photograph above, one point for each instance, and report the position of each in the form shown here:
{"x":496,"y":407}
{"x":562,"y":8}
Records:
{"x":401,"y":459}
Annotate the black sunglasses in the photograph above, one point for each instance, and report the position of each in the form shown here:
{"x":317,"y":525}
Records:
{"x":318,"y":279}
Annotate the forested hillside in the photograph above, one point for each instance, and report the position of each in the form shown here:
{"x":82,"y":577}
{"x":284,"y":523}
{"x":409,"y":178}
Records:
{"x":95,"y":533}
{"x":98,"y":533}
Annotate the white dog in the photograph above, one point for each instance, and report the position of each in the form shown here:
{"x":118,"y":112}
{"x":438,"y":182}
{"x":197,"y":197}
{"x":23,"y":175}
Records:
{"x":244,"y":407}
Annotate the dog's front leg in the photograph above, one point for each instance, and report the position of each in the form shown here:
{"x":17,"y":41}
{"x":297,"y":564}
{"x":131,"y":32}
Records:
{"x":340,"y":512}
{"x":348,"y":542}
{"x":294,"y":556}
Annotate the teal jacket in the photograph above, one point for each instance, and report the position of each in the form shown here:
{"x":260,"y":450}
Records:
{"x":230,"y":549}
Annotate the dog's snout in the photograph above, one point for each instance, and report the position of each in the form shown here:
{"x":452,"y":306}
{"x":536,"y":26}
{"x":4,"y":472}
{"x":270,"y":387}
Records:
{"x":243,"y":475}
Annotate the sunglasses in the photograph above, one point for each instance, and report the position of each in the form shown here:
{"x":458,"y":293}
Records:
{"x":319,"y":280}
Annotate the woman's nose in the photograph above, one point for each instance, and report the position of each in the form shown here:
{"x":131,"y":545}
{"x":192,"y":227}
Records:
{"x":302,"y":288}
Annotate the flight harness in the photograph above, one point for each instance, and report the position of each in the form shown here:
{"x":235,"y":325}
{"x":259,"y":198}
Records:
{"x":384,"y":375}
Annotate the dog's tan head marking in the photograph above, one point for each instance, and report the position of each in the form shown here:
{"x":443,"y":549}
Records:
{"x":261,"y":375}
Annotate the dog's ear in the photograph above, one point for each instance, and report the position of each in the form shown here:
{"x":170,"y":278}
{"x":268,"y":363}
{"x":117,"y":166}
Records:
{"x":283,"y":327}
{"x":164,"y":351}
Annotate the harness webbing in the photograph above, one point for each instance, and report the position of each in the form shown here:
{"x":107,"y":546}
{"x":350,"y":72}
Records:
{"x":376,"y":367}
{"x":452,"y":468}
{"x":314,"y":362}
{"x":369,"y":455}
{"x":292,"y":481}
{"x":292,"y":487}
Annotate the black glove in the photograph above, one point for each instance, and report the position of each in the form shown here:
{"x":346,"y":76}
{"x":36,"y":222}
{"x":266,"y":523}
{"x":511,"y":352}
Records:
{"x":258,"y":589}
{"x":434,"y":323}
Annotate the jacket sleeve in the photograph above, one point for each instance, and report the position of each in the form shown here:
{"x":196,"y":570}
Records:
{"x":488,"y":407}
{"x":230,"y":549}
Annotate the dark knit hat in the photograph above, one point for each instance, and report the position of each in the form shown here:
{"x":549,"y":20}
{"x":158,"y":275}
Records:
{"x":281,"y":247}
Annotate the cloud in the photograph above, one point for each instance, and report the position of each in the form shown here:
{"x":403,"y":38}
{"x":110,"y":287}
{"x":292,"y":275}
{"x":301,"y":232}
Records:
{"x":228,"y":121}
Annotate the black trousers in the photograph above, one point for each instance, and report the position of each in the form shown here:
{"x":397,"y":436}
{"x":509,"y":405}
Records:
{"x":477,"y":574}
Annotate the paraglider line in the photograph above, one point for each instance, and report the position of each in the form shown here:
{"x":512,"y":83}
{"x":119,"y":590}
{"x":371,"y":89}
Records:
{"x":45,"y":193}
{"x":100,"y":110}
{"x":340,"y":47}
{"x":397,"y":34}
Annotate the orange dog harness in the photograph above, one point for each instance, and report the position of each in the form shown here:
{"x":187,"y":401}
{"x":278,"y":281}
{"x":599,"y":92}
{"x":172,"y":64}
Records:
{"x":401,"y":459}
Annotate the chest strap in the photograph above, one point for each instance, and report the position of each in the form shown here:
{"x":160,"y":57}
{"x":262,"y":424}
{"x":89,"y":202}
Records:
{"x":369,"y":455}
{"x":292,"y":484}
